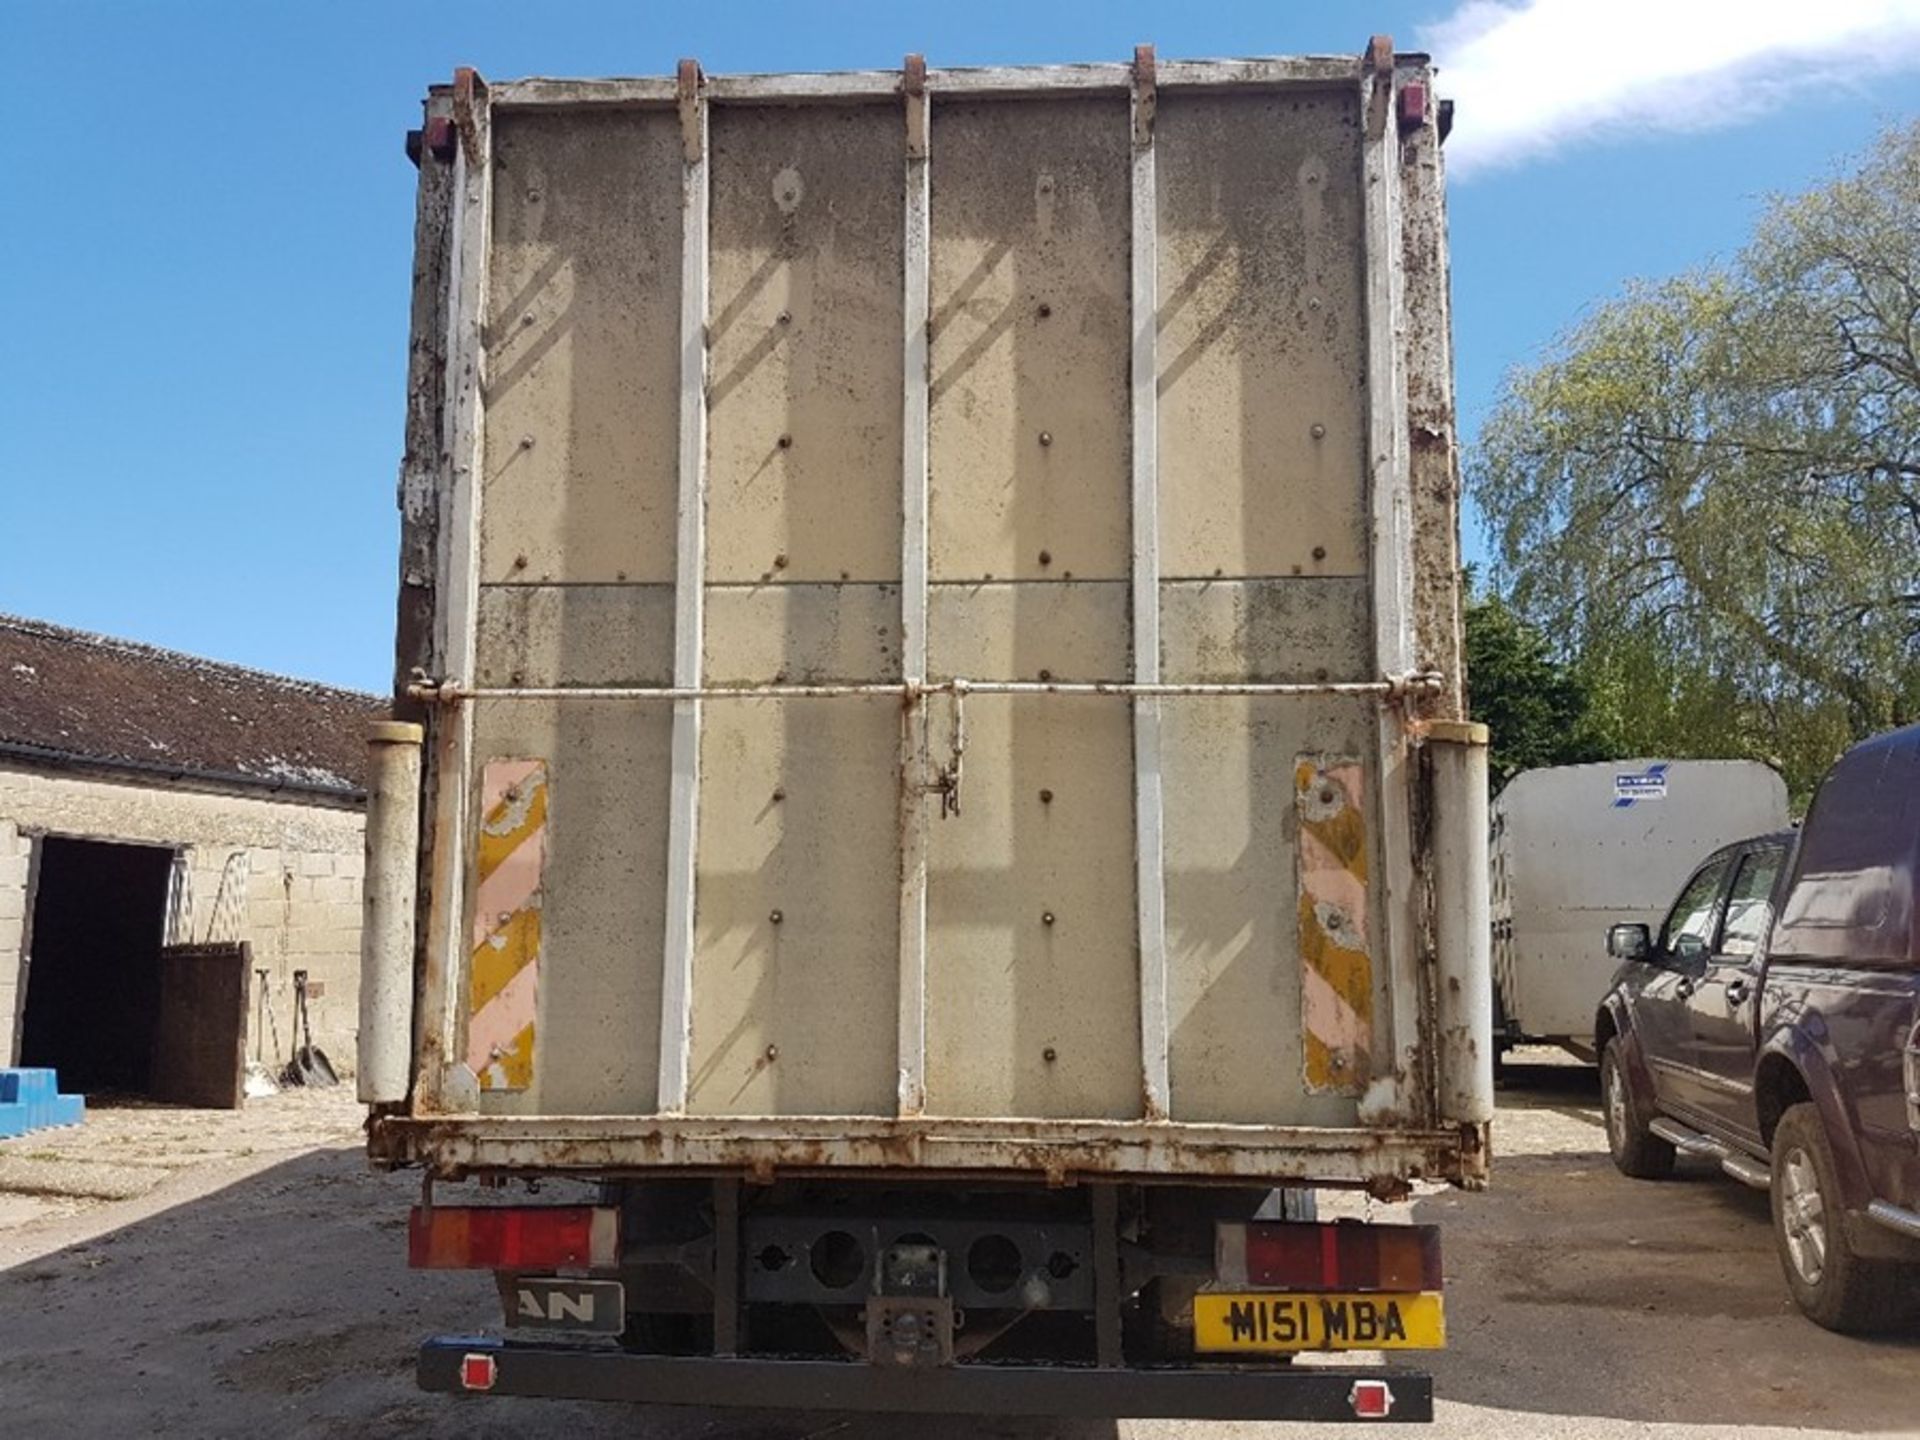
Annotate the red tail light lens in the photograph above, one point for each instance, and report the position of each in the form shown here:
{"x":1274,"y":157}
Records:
{"x":504,"y":1237}
{"x":1371,"y":1399}
{"x":1279,"y":1255}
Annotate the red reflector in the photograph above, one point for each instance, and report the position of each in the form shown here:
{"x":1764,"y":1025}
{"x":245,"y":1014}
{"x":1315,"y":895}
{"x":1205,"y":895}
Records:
{"x":477,"y":1372}
{"x":504,"y":1237}
{"x":1284,"y":1255}
{"x":1371,"y":1399}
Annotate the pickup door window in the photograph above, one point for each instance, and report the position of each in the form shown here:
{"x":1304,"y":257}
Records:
{"x":1721,"y":1008}
{"x":1660,"y":1007}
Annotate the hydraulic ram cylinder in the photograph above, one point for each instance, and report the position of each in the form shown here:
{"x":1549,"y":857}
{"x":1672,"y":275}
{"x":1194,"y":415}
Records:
{"x":1463,"y":920}
{"x":388,"y":893}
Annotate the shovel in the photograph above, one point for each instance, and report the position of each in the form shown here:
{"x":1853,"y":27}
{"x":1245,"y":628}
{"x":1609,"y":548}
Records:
{"x":309,"y":1065}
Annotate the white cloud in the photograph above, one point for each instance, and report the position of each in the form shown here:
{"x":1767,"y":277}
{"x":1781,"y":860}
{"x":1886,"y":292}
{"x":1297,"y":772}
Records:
{"x":1534,"y":76}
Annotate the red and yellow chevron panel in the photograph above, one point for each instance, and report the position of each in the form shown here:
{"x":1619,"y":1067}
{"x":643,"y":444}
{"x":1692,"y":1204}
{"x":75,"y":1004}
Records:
{"x":505,"y":968}
{"x":1336,"y":971}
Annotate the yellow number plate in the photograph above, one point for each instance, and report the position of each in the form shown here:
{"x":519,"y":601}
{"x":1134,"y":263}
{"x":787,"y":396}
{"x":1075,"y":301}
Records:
{"x":1285,"y":1323}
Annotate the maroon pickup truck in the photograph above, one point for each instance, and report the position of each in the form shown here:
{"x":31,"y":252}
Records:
{"x":1773,"y":1024}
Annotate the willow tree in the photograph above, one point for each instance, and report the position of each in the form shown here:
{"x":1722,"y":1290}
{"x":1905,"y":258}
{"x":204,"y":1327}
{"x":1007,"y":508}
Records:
{"x":1710,"y":490}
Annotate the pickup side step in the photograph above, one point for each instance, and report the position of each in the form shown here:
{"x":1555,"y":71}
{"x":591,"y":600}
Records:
{"x":1737,"y":1163}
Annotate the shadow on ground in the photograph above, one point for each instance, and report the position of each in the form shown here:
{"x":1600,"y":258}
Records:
{"x":281,"y":1305}
{"x":1573,"y":1290}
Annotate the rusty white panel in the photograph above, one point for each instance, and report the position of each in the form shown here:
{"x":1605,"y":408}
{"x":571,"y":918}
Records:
{"x":1262,"y":335}
{"x":1030,"y":293}
{"x":1072,"y":631}
{"x":795,"y":968}
{"x":803,"y":635}
{"x":805,"y":367}
{"x":583,"y":372}
{"x":554,"y":635}
{"x":1032,"y":981}
{"x":1236,"y":978}
{"x":602,"y":898}
{"x":1032,"y":970}
{"x":1282,"y":631}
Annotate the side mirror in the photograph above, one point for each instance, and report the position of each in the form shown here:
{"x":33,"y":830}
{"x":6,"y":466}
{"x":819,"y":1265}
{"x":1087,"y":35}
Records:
{"x":1629,"y":942}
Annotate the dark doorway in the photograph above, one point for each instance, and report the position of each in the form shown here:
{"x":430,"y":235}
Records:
{"x":93,"y":977}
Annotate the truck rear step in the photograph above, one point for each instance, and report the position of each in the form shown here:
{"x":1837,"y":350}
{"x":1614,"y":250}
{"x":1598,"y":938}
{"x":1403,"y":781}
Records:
{"x":455,"y":1365}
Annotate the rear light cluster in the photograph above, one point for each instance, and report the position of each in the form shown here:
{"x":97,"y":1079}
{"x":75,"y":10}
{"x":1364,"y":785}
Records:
{"x":504,"y":1237}
{"x":1284,"y":1255}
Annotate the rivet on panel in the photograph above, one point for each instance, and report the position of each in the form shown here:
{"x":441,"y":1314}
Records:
{"x":526,"y":442}
{"x":786,"y":442}
{"x":1046,"y":675}
{"x":1046,"y":557}
{"x":1319,"y":552}
{"x":516,"y":678}
{"x":773,"y":1053}
{"x":1046,"y":797}
{"x":780,"y":561}
{"x":1046,"y":437}
{"x":519,"y":562}
{"x":1049,"y":1055}
{"x":785,"y":317}
{"x":1044,"y":311}
{"x":1319,"y":431}
{"x":1046,"y":917}
{"x":776,"y":917}
{"x":779,"y":795}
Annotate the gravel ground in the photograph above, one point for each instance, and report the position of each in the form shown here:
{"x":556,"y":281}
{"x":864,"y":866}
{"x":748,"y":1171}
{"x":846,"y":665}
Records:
{"x":200,"y":1274}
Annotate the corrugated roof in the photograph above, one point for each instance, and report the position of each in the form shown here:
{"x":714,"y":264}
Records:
{"x":68,"y":697}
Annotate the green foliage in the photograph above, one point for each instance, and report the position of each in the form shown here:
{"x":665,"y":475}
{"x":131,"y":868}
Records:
{"x":1537,"y":709}
{"x":1710,"y":492}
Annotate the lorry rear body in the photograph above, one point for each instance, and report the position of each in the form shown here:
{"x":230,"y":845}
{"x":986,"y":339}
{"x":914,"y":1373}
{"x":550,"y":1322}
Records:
{"x":932,"y":598}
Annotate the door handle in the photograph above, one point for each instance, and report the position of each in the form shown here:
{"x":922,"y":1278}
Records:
{"x":1685,"y":988}
{"x":1737,"y":992}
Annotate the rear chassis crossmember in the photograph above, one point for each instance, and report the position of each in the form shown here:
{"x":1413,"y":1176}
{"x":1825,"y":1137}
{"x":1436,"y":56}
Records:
{"x":558,"y":1370}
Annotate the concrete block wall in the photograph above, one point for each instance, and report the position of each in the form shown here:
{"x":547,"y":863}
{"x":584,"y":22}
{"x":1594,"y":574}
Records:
{"x":294,"y":895}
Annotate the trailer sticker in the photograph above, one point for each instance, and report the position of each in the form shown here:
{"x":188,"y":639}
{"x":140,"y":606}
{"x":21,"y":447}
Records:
{"x":1336,"y":972}
{"x":505,"y":968}
{"x":1648,"y":784}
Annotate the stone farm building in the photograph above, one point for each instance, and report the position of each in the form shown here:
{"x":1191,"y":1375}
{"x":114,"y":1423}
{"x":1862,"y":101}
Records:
{"x":158,"y":813}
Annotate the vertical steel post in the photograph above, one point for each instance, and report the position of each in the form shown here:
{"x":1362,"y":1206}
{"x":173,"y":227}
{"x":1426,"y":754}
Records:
{"x":689,"y":600}
{"x":1149,"y":814}
{"x":464,"y":446}
{"x":1463,"y":921}
{"x":389,"y":893}
{"x":1390,"y":564}
{"x":912,"y":1097}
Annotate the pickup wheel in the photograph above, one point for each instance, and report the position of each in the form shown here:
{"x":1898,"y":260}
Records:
{"x":1831,"y":1285}
{"x":1636,"y":1150}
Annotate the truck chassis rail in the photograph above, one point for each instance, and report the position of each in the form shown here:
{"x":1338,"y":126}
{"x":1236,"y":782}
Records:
{"x":578,"y":1372}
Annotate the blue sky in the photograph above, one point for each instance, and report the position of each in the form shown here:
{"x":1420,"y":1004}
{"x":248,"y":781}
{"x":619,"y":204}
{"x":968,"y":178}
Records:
{"x":207,"y":222}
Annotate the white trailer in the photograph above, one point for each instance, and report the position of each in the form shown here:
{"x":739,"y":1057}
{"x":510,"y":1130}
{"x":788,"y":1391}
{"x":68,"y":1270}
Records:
{"x":1576,"y":848}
